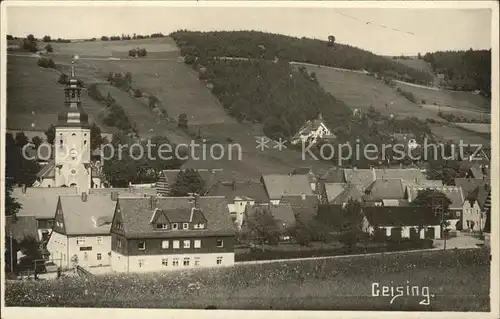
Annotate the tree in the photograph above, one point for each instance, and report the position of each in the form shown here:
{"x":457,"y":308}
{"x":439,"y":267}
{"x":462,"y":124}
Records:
{"x":153,"y":101}
{"x":187,"y":182}
{"x":37,"y":141}
{"x":436,"y":200}
{"x":104,"y":38}
{"x":419,"y":56}
{"x":49,"y":48}
{"x":142,"y":52}
{"x":351,"y":226}
{"x":10,"y":37}
{"x":31,"y":38}
{"x":95,"y":137}
{"x":21,"y":139}
{"x":182,"y":121}
{"x":262,"y":227}
{"x":331,"y":40}
{"x":137,"y":93}
{"x":12,"y":206}
{"x":46,"y":38}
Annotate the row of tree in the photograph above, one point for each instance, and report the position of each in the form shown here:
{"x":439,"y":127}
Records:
{"x":114,"y":115}
{"x":129,"y":37}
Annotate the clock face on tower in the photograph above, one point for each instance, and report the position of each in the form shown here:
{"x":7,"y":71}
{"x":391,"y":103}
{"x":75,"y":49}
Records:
{"x":73,"y":153}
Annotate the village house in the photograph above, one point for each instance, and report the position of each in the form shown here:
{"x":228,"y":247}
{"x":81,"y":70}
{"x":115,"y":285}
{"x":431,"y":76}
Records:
{"x":81,"y":233}
{"x":365,"y":177}
{"x":304,"y":207}
{"x":40,"y":203}
{"x":169,"y":233}
{"x":382,"y":191}
{"x":279,"y":185}
{"x":239,"y":195}
{"x":312,"y":131}
{"x":18,"y":228}
{"x":476,"y":192}
{"x":402,"y":222}
{"x":167,"y":179}
{"x":454,"y":194}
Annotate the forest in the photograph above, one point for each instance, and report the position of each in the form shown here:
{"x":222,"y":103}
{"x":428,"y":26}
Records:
{"x":463,"y":70}
{"x":268,"y":46}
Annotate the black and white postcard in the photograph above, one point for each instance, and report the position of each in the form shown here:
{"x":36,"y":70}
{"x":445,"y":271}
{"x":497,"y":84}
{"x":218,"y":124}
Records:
{"x":326,"y":158}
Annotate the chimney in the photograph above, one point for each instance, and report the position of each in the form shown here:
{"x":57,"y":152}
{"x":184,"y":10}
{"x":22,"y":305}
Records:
{"x":23,"y":188}
{"x":84,"y":197}
{"x":114,"y":196}
{"x":152,"y":202}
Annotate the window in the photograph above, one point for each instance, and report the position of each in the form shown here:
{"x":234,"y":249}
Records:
{"x":220,"y":243}
{"x":140,"y":262}
{"x":99,"y":256}
{"x":80,"y":240}
{"x":197,"y":243}
{"x":164,"y":262}
{"x":199,"y":226}
{"x":187,"y":244}
{"x":186,"y":261}
{"x":219,"y":260}
{"x":164,"y":244}
{"x":141,"y":245}
{"x":185,"y":226}
{"x":176,"y":244}
{"x":197,"y":261}
{"x":50,"y":224}
{"x":161,"y":226}
{"x":175,"y":226}
{"x":85,"y":256}
{"x":99,"y":239}
{"x":118,"y":243}
{"x":175,"y":262}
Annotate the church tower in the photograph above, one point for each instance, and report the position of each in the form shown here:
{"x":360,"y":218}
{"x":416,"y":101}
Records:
{"x":72,"y":141}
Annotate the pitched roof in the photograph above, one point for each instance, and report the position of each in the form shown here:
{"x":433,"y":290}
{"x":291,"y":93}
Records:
{"x":454,"y":193}
{"x":21,"y":227}
{"x":351,"y":191}
{"x":136,"y":214}
{"x":385,"y":189}
{"x":126,"y":191}
{"x":279,"y":185}
{"x":40,"y":202}
{"x":90,"y":217}
{"x":424,"y":183}
{"x":400,"y":216}
{"x":303,"y":207}
{"x":480,"y":194}
{"x":469,"y":184}
{"x":366,"y":176}
{"x":47,"y":171}
{"x":251,"y":189}
{"x":333,"y":190}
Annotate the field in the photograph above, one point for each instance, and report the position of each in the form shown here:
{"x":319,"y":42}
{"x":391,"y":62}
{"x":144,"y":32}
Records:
{"x":457,"y":134}
{"x":471,"y":114}
{"x":34,"y":98}
{"x":457,"y":281}
{"x":459,"y":100}
{"x":362,"y":91}
{"x":476,"y":127}
{"x":414,"y":62}
{"x":154,"y":46}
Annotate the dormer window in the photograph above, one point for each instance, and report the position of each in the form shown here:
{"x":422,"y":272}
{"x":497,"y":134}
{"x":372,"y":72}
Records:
{"x":161,"y":226}
{"x":185,"y":226}
{"x":175,"y":226}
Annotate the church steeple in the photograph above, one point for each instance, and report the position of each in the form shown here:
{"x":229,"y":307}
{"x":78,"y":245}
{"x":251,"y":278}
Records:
{"x":73,"y":113}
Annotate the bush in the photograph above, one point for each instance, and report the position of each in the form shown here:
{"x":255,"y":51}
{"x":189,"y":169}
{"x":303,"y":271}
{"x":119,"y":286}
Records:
{"x":46,"y":63}
{"x":49,"y":48}
{"x":63,"y":79}
{"x":142,"y":52}
{"x":189,"y":59}
{"x":137,"y":93}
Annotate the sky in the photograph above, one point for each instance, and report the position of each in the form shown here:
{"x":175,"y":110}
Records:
{"x":385,"y":31}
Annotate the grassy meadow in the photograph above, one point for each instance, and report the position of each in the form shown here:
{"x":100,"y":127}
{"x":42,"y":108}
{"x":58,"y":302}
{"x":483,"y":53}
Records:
{"x":458,"y":280}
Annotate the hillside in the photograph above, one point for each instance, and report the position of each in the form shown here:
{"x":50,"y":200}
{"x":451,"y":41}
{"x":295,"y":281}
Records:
{"x":252,"y":44}
{"x":34,"y":98}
